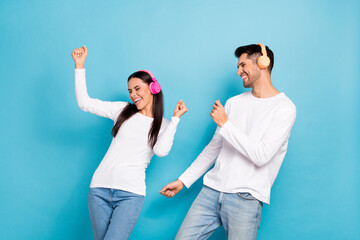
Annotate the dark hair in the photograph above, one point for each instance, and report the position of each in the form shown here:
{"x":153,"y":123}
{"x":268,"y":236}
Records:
{"x":131,"y":109}
{"x":255,"y":49}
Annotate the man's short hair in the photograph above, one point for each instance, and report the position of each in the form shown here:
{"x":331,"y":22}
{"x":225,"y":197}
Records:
{"x":255,"y":49}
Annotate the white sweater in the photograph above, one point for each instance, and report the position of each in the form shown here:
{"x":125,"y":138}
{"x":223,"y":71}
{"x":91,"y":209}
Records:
{"x":123,"y":166}
{"x":249,"y":148}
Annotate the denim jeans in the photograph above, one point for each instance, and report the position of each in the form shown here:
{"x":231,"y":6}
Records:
{"x":240,"y":213}
{"x":113,"y":212}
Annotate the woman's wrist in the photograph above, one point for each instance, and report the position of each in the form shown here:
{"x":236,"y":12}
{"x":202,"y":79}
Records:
{"x":79,"y":65}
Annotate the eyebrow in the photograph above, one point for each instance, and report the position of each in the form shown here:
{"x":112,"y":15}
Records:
{"x":134,"y":87}
{"x":240,"y":64}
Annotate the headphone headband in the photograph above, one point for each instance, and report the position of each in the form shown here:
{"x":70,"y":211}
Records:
{"x":150,"y":73}
{"x":263,"y":49}
{"x":263,"y":61}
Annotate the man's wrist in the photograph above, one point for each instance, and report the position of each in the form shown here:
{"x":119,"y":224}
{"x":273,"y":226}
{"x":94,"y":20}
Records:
{"x":181,"y":182}
{"x":222,"y":123}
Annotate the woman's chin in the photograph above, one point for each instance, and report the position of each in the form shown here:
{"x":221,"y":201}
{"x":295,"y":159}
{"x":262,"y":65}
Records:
{"x":139,"y":107}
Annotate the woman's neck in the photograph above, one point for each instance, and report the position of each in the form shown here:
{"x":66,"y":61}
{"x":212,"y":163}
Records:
{"x":148,"y":110}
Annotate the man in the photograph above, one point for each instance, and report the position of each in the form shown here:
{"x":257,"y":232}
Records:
{"x":248,"y":148}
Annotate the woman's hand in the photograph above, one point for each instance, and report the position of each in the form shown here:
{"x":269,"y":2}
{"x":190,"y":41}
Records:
{"x":180,"y":109}
{"x":79,"y":55}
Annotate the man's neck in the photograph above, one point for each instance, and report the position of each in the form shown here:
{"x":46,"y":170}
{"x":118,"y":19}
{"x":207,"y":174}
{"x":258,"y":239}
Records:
{"x":264,"y":88}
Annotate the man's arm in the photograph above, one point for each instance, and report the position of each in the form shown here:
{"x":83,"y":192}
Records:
{"x":201,"y":164}
{"x":260,"y":152}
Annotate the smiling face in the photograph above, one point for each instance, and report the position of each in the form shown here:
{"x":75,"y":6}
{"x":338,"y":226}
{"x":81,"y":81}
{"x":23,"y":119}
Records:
{"x":248,"y":69}
{"x":140,"y":94}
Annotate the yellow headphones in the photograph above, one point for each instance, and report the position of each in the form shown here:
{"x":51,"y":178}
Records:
{"x":263,"y":61}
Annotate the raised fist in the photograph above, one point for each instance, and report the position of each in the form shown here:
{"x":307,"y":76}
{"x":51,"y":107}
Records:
{"x":180,"y":109}
{"x":79,"y":55}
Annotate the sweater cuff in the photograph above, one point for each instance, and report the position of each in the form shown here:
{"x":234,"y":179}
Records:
{"x":186,"y":183}
{"x":79,"y":73}
{"x":175,"y":120}
{"x":228,"y":130}
{"x":79,"y":70}
{"x":225,"y":127}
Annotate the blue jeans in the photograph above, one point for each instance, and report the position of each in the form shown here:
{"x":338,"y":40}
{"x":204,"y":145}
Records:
{"x":240,"y":213}
{"x":113,"y":212}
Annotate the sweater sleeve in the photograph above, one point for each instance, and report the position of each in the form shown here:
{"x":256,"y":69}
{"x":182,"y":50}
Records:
{"x":260,"y":152}
{"x":92,"y":105}
{"x":204,"y":161}
{"x":165,"y":139}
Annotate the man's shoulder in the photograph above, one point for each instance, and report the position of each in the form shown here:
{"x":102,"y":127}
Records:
{"x":285,"y":107}
{"x":239,"y":97}
{"x":286,"y":103}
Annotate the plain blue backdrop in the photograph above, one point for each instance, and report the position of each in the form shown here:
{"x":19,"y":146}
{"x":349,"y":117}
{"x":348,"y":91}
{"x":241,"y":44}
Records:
{"x":50,"y":148}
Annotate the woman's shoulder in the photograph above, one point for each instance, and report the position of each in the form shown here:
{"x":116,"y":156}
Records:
{"x":117,"y":107}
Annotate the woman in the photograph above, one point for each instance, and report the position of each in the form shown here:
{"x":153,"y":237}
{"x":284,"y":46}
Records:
{"x":117,"y":189}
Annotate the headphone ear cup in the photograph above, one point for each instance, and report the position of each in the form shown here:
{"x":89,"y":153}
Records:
{"x":263,"y":62}
{"x":155,"y":87}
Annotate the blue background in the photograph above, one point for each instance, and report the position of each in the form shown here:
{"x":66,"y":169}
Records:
{"x":50,"y":148}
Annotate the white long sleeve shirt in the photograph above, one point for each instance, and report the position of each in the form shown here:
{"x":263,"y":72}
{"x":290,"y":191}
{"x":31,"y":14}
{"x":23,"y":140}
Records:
{"x":249,"y":148}
{"x":123,"y":166}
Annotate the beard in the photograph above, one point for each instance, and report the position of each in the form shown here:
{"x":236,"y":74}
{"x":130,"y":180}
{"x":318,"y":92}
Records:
{"x":248,"y":83}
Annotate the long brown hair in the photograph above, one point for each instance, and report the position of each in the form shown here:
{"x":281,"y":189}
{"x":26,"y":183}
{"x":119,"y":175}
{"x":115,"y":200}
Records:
{"x":131,"y":109}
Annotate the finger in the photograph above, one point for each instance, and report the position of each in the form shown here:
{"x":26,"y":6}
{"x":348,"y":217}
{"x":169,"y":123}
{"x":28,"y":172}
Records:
{"x":85,"y":49}
{"x":179,"y":103}
{"x":164,"y":188}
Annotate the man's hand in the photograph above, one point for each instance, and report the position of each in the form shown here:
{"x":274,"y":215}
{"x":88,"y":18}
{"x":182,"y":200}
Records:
{"x":180,"y":109}
{"x":79,"y":55}
{"x":172,"y":188}
{"x":218,"y":114}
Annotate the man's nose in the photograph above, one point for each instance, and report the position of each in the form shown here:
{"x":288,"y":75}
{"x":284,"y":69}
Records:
{"x":238,"y":72}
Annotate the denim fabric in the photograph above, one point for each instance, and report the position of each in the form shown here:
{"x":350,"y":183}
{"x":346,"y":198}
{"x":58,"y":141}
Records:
{"x":240,"y":213}
{"x":113,"y":212}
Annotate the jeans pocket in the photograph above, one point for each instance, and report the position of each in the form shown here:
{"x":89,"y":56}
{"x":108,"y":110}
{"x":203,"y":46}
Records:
{"x":246,"y":196}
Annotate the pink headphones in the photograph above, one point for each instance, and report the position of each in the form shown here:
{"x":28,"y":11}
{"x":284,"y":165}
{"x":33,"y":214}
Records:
{"x":154,"y":86}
